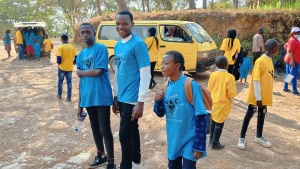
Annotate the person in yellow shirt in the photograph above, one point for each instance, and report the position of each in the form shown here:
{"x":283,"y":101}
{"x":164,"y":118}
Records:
{"x":222,"y":88}
{"x":230,"y":48}
{"x":19,"y":42}
{"x":47,"y":45}
{"x":260,"y":93}
{"x":152,"y":44}
{"x":66,"y":58}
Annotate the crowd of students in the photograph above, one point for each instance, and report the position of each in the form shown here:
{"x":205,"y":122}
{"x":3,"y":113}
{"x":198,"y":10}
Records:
{"x":34,"y":40}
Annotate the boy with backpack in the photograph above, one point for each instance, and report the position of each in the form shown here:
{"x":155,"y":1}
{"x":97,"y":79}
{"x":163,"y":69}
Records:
{"x":221,"y":85}
{"x":186,"y":123}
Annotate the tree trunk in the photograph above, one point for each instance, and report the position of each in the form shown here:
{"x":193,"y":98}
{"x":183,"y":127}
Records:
{"x":192,"y":4}
{"x":281,"y":3}
{"x":212,"y":4}
{"x":204,"y":4}
{"x":122,"y":4}
{"x":236,"y":4}
{"x":143,"y":4}
{"x":148,"y":5}
{"x":168,"y":5}
{"x":99,"y":8}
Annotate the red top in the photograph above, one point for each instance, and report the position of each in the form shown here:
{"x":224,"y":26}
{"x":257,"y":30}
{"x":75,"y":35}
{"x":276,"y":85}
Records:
{"x":293,"y":45}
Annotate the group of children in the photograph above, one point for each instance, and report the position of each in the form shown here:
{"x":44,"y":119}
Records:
{"x":186,"y":122}
{"x":35,"y":42}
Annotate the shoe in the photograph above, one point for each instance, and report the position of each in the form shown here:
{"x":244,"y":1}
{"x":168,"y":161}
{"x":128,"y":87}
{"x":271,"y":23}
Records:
{"x":262,"y":141}
{"x":111,"y":166}
{"x":295,"y":92}
{"x":217,"y":146}
{"x":98,"y":161}
{"x":68,"y":99}
{"x":136,"y":166}
{"x":241,"y":144}
{"x":286,"y":90}
{"x":59,"y":97}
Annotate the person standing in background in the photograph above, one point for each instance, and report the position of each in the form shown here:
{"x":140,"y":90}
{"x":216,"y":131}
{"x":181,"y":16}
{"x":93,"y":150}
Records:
{"x":19,"y":42}
{"x":258,"y":44}
{"x":7,"y":42}
{"x":152,"y":44}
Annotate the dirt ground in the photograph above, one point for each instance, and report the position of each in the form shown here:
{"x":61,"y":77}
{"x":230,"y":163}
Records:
{"x":38,"y":130}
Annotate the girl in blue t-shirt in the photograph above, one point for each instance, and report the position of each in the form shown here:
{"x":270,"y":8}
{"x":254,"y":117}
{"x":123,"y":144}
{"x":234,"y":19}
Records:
{"x":246,"y":67}
{"x":186,"y":124}
{"x":7,"y":42}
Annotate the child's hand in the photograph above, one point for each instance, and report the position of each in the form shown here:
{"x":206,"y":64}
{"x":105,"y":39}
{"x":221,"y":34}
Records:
{"x":197,"y":155}
{"x":159,"y":95}
{"x":79,"y":112}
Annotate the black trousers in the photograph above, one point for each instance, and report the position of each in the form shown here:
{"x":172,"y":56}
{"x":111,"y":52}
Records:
{"x":230,"y":69}
{"x":256,"y":55}
{"x":129,"y":137}
{"x":260,"y":120}
{"x":152,"y":81}
{"x":100,"y":124}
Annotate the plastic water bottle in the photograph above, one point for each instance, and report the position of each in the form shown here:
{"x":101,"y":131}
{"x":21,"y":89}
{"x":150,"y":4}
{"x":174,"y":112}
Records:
{"x":80,"y":121}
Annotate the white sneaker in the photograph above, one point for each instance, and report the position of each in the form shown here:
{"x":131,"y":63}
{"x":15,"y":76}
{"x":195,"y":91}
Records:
{"x":136,"y":166}
{"x":262,"y":141}
{"x":241,"y":144}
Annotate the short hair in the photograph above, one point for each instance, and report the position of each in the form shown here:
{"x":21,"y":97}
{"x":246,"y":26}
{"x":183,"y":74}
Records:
{"x":261,"y":30}
{"x":64,"y":37}
{"x":221,"y":62}
{"x":177,"y":58}
{"x":126,"y":12}
{"x":88,"y":24}
{"x":271,"y":43}
{"x":245,"y":53}
{"x":152,"y":31}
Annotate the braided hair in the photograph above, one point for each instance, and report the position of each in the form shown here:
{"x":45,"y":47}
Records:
{"x":152,"y":32}
{"x":231,"y":34}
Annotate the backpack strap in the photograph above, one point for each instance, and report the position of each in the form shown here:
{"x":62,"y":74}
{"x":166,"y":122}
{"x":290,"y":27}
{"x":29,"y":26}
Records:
{"x":188,"y":90}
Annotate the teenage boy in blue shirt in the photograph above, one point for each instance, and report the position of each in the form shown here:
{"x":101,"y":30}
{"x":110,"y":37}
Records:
{"x":131,"y":83}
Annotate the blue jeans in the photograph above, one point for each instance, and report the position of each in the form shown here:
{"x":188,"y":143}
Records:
{"x":21,"y":52}
{"x":177,"y":163}
{"x":294,"y":72}
{"x":68,"y":75}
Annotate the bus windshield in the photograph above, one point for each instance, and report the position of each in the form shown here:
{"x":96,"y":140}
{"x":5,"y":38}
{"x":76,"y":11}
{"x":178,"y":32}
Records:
{"x":198,"y":32}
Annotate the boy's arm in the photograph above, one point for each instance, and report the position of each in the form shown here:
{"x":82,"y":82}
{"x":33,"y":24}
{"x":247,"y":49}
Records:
{"x":231,"y":88}
{"x":159,"y":108}
{"x":201,"y":127}
{"x":257,"y":92}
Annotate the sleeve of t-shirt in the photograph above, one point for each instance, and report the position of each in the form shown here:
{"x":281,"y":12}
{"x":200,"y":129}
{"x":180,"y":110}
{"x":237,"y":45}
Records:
{"x":231,"y":87}
{"x":198,"y":99}
{"x":257,"y":70}
{"x":223,"y":45}
{"x":101,"y":58}
{"x":78,"y":62}
{"x":58,"y":52}
{"x":148,"y":42}
{"x":142,"y":55}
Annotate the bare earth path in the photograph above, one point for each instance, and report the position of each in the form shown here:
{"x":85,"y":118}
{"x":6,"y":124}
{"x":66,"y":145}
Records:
{"x":37,"y":130}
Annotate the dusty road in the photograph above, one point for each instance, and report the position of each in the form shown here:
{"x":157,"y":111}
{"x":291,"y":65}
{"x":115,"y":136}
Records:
{"x":37,"y":130}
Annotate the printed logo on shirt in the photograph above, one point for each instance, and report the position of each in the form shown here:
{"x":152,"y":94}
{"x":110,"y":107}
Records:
{"x":272,"y":73}
{"x":88,"y":63}
{"x":172,"y":104}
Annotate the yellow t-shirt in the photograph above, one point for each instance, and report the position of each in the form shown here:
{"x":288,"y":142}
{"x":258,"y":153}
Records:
{"x":67,"y":53}
{"x":228,"y":53}
{"x":153,"y":51}
{"x":221,"y":86}
{"x":263,"y":71}
{"x":47,"y":43}
{"x":19,"y":37}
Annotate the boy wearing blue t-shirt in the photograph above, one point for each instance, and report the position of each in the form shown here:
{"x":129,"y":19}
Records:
{"x":7,"y":42}
{"x":131,"y":83}
{"x":37,"y":50}
{"x":96,"y":94}
{"x":186,"y":124}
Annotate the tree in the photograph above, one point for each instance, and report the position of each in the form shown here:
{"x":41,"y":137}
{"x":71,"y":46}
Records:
{"x":192,"y":4}
{"x":122,"y":4}
{"x":236,"y":4}
{"x":204,"y":4}
{"x":99,"y":8}
{"x":168,"y":5}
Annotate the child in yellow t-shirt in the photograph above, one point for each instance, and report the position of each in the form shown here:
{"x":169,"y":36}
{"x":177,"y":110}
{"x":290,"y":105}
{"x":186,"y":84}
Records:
{"x":221,"y":85}
{"x":260,"y":93}
{"x":47,"y":45}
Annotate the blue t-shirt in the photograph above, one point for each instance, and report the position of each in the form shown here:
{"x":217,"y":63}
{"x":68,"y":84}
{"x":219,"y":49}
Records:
{"x":37,"y":50}
{"x":130,"y":57}
{"x":94,"y":91}
{"x":180,"y":117}
{"x":246,"y":67}
{"x":39,"y":39}
{"x":30,"y":39}
{"x":7,"y":39}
